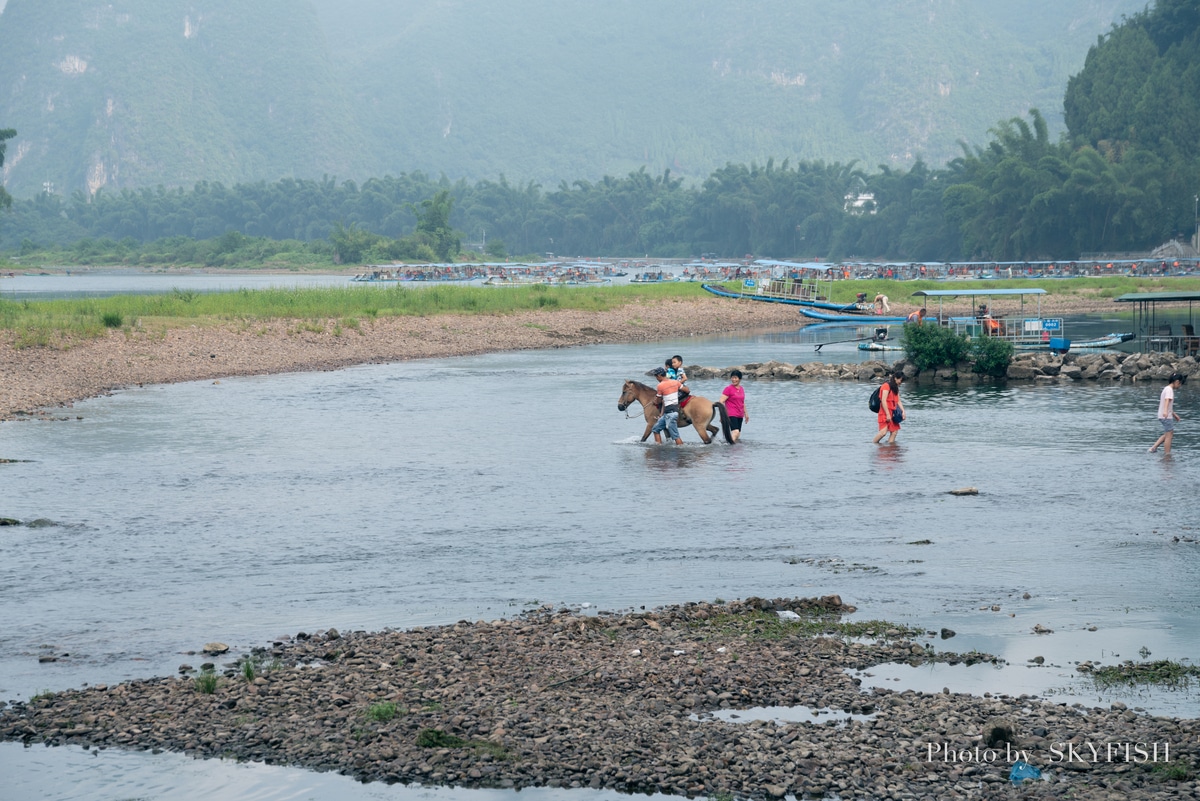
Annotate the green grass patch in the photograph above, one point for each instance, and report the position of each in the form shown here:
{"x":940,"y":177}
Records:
{"x":770,"y":626}
{"x":383,"y":711}
{"x":1160,"y":673}
{"x":436,"y":738}
{"x":1177,"y":770}
{"x":206,"y":683}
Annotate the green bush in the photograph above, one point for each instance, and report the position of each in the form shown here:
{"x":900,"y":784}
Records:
{"x":112,"y":320}
{"x":991,"y":356}
{"x":930,"y":346}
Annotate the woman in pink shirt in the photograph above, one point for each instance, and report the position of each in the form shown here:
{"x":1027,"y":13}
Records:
{"x":734,"y":398}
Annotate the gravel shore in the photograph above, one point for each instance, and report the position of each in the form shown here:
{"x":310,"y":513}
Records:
{"x":40,"y":377}
{"x":35,"y":378}
{"x":558,"y":698}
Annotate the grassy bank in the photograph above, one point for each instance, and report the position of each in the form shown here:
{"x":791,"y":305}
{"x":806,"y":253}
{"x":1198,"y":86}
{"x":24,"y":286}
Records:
{"x":49,"y":321}
{"x":32,"y":323}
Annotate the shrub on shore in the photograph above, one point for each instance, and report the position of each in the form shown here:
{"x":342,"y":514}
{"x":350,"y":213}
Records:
{"x":932,"y":346}
{"x":991,"y":356}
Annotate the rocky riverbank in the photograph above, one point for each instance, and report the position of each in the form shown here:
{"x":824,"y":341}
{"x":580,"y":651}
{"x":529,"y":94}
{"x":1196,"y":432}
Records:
{"x":1110,"y":366}
{"x":562,"y":699}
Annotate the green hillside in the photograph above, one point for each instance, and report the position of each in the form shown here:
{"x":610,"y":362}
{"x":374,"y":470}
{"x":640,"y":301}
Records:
{"x":135,"y":93}
{"x":550,"y":91}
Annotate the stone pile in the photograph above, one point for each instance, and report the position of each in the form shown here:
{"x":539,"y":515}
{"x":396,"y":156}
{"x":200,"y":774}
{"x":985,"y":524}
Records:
{"x":1109,"y":366}
{"x":561,"y":699}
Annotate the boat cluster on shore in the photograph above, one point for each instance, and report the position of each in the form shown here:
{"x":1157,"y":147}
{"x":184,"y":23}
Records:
{"x":558,"y":698}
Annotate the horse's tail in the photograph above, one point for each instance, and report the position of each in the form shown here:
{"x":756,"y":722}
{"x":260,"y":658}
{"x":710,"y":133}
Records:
{"x":720,"y":407}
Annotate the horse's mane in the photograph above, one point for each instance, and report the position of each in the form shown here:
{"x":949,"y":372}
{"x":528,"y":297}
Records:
{"x":640,"y":384}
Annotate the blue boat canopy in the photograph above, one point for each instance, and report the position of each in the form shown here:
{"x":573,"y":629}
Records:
{"x":974,"y":293}
{"x":1158,"y":297}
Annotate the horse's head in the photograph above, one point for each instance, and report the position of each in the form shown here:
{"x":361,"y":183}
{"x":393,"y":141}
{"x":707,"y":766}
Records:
{"x":628,"y":396}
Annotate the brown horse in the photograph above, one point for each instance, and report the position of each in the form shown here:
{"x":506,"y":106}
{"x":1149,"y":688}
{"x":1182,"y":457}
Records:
{"x":699,"y":412}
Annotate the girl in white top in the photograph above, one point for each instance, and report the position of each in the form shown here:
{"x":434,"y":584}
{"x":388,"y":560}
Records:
{"x":1166,"y":413}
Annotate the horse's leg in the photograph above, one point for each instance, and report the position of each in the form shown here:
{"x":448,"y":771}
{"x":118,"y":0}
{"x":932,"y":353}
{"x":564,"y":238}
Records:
{"x":700,"y":426}
{"x":651,"y":419}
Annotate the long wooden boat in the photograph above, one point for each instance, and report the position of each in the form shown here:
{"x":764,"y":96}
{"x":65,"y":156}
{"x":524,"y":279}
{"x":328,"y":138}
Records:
{"x":513,"y":280}
{"x":849,"y":319}
{"x":882,"y":346}
{"x":722,"y":292}
{"x":1107,"y":341}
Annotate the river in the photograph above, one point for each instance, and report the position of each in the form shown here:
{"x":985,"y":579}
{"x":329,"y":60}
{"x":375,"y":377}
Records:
{"x":426,"y":492}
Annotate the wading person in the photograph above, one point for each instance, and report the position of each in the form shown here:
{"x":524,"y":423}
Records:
{"x":1166,"y":413}
{"x":734,"y":398}
{"x":668,"y":419}
{"x":891,"y":409}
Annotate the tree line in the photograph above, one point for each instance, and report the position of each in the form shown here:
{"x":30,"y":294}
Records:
{"x":1123,"y":178}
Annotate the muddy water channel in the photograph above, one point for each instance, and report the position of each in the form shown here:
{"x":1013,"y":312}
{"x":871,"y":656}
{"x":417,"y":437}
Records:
{"x":427,"y":492}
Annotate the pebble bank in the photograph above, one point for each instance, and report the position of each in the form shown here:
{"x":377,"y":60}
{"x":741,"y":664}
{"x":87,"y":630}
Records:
{"x":561,"y":698}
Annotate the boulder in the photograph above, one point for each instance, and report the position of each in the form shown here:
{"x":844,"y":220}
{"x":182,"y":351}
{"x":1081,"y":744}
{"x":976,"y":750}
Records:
{"x":1019,"y":371}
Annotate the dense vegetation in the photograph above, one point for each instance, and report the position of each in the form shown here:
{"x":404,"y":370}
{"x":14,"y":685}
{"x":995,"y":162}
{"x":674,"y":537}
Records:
{"x":232,"y":92}
{"x":1022,"y":196}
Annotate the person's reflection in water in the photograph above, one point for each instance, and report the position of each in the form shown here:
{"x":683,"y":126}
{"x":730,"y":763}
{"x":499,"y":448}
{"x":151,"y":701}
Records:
{"x":888,"y":458}
{"x":670,"y":460}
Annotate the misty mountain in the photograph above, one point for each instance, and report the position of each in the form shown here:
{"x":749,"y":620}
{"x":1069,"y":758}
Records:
{"x":143,"y":92}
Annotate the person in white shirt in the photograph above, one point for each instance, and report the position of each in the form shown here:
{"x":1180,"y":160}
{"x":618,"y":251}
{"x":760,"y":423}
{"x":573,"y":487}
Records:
{"x":1166,"y":413}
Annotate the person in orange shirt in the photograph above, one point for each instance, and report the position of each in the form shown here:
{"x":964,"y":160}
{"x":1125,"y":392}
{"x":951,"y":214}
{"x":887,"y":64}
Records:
{"x":668,"y":419}
{"x":889,"y":405}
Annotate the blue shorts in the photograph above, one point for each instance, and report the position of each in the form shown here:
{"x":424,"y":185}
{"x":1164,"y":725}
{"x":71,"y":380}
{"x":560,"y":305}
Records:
{"x":1168,"y":423}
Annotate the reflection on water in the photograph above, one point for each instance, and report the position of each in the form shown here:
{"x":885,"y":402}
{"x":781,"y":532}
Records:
{"x":667,"y":459}
{"x":258,"y":507}
{"x":887,"y":457}
{"x":70,"y":773}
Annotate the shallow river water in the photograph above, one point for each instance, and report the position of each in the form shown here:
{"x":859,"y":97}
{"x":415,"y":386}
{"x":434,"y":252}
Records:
{"x":430,"y":491}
